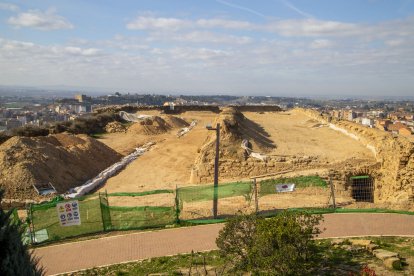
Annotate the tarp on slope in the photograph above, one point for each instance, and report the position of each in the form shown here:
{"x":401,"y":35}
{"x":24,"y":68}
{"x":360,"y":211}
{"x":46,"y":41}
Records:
{"x":133,"y":117}
{"x":185,"y":130}
{"x":103,"y":176}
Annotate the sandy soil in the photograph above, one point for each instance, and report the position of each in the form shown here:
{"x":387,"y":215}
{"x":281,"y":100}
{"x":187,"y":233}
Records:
{"x":168,"y":164}
{"x":294,"y":133}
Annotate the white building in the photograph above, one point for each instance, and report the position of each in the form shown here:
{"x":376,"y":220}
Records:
{"x":367,"y":122}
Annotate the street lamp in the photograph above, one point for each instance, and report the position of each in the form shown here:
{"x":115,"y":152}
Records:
{"x":216,"y":165}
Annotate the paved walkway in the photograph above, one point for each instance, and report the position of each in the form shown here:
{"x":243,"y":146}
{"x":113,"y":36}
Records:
{"x":142,"y":245}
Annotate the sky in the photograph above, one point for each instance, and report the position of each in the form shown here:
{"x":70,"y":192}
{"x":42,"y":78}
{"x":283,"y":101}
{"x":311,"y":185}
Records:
{"x":235,"y":47}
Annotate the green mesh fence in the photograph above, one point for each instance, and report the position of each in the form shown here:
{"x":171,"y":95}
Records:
{"x":188,"y":205}
{"x":196,"y":202}
{"x":268,"y":187}
{"x":46,"y":225}
{"x":141,"y":217}
{"x":206,"y":192}
{"x":153,"y":192}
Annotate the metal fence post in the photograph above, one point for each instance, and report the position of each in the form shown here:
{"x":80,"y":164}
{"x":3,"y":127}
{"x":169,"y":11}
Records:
{"x":31,"y":224}
{"x":102,"y":215}
{"x":177,"y":206}
{"x":332,"y":192}
{"x":256,"y":198}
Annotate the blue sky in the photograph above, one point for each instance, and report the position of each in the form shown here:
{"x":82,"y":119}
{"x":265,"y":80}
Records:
{"x":239,"y":47}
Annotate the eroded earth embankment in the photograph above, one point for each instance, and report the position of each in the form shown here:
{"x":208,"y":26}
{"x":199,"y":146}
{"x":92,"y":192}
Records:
{"x":394,"y":174}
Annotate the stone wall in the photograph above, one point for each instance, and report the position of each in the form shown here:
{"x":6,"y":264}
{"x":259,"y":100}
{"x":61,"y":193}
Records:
{"x":237,"y":168}
{"x":394,"y":174}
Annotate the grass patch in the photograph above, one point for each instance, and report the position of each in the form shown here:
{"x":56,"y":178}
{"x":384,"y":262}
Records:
{"x":328,"y":260}
{"x":174,"y":265}
{"x":206,"y":193}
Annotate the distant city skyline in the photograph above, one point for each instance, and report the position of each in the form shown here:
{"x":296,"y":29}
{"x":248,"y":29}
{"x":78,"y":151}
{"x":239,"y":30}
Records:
{"x":239,"y":47}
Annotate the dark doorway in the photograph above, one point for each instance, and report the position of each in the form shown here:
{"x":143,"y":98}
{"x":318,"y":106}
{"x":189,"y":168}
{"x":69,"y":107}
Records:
{"x":362,"y":188}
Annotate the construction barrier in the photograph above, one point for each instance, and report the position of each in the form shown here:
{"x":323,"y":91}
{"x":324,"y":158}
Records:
{"x":101,"y":212}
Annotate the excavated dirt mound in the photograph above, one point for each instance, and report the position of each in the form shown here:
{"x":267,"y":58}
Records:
{"x":157,"y":125}
{"x":175,"y":122}
{"x":64,"y":160}
{"x":234,"y":127}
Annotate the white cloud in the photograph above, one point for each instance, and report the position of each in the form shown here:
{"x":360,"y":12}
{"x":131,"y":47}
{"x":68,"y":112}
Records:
{"x":8,"y":7}
{"x":82,"y":52}
{"x":199,"y":37}
{"x":312,"y":27}
{"x":321,"y":43}
{"x":36,"y":19}
{"x":174,"y":24}
{"x":223,"y":23}
{"x":147,"y":22}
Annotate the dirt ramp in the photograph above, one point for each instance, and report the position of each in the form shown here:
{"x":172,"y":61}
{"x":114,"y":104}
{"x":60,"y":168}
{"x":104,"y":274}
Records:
{"x":64,"y":160}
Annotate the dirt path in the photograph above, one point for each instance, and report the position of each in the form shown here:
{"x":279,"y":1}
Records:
{"x":143,"y":245}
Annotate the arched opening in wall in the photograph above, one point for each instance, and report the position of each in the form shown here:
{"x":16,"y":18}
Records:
{"x":362,"y":188}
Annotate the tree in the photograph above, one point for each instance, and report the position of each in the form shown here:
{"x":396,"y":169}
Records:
{"x":236,"y":239}
{"x":281,"y":245}
{"x":15,"y":258}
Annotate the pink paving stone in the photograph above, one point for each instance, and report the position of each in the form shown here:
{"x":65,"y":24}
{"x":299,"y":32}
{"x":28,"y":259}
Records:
{"x":143,"y":245}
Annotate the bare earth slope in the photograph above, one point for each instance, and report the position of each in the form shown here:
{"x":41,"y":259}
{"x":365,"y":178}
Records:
{"x":64,"y":160}
{"x":167,"y":164}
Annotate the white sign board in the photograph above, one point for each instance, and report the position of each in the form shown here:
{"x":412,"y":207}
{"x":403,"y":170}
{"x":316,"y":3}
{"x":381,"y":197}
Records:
{"x":283,"y":188}
{"x":68,"y":213}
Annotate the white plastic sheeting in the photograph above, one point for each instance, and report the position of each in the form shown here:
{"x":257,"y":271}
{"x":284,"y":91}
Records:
{"x":245,"y":146}
{"x":133,"y":117}
{"x":103,"y":176}
{"x":185,"y":130}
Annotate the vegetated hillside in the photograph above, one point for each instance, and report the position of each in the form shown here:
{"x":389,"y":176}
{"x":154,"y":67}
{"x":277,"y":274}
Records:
{"x":64,"y":160}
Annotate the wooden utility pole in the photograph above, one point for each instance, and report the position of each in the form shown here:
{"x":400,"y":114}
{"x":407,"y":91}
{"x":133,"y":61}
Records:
{"x":216,"y":169}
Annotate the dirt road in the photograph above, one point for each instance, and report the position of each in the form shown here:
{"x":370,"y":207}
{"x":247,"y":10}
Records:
{"x":143,"y":245}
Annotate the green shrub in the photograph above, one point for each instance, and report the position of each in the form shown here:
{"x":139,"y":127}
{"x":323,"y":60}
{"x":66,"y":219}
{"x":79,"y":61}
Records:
{"x":30,"y":131}
{"x":236,"y":240}
{"x":281,"y":245}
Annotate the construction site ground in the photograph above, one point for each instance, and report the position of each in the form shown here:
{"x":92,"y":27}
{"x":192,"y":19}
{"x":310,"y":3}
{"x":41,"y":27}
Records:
{"x":168,"y":164}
